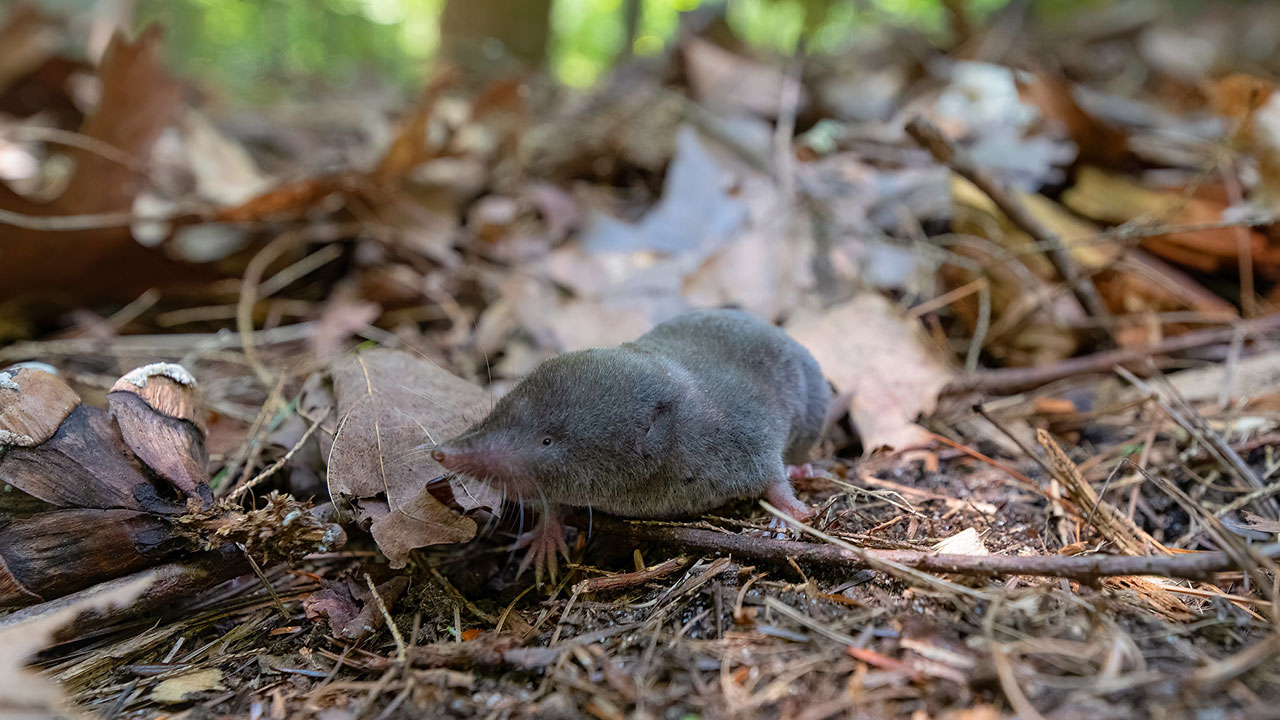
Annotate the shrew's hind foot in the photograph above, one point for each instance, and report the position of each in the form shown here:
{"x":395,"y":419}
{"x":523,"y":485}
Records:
{"x":781,"y":495}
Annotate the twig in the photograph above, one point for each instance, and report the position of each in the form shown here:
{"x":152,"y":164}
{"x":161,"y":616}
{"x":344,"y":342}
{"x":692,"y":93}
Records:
{"x":1026,"y":449}
{"x":954,"y":295}
{"x":249,"y":297}
{"x":163,"y":346}
{"x":622,"y":581}
{"x":784,"y":131}
{"x":1148,"y":230}
{"x":1075,"y":567}
{"x":1188,"y":419}
{"x":1009,"y":684}
{"x":1110,"y":522}
{"x":1010,"y":380}
{"x":1244,"y":251}
{"x":1237,"y":664}
{"x":1022,"y":479}
{"x":1254,"y":561}
{"x":800,"y":618}
{"x":391,"y":624}
{"x":68,"y":138}
{"x":946,"y":153}
{"x":1263,"y":492}
{"x":266,"y":583}
{"x":88,"y":221}
{"x":275,"y":467}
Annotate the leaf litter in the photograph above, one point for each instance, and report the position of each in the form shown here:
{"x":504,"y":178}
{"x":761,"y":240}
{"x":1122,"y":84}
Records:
{"x":1049,"y":488}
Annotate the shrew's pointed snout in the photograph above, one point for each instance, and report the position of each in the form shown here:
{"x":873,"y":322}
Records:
{"x":453,"y":456}
{"x":482,"y":458}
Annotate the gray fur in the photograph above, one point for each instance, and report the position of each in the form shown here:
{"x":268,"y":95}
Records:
{"x":703,"y":408}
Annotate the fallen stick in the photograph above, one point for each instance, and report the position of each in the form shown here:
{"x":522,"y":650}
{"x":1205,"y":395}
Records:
{"x":1018,"y":379}
{"x":1192,"y":566}
{"x":622,"y":581}
{"x":171,"y":584}
{"x":942,"y":149}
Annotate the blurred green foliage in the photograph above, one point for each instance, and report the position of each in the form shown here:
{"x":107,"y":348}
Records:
{"x":256,"y":50}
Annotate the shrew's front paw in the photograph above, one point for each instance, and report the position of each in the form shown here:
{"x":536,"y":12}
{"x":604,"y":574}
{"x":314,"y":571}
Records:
{"x":542,"y":543}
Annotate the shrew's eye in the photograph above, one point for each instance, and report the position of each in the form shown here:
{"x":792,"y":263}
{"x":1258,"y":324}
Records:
{"x":546,"y":441}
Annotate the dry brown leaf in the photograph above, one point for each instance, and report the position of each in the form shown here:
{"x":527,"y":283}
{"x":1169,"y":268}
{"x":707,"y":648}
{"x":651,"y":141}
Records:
{"x":1076,"y":233}
{"x":725,"y":81}
{"x":350,"y":608}
{"x":1131,"y":283}
{"x":180,"y":689}
{"x":391,"y":407}
{"x":28,"y":39}
{"x":1114,"y":199}
{"x":224,"y":172}
{"x":1242,"y":384}
{"x":1255,"y":106}
{"x":1098,"y":142}
{"x":342,"y":316}
{"x":137,"y":100}
{"x":882,"y":362}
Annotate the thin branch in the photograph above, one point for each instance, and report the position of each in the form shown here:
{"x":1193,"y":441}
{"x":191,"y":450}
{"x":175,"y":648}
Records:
{"x":1085,"y":567}
{"x":284,"y":460}
{"x":72,"y":223}
{"x":249,"y":297}
{"x":932,"y":139}
{"x":1011,"y":380}
{"x":162,"y":346}
{"x":622,"y":581}
{"x":391,"y":623}
{"x":68,"y":138}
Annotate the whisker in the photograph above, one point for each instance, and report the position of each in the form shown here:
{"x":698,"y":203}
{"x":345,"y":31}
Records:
{"x":488,"y":369}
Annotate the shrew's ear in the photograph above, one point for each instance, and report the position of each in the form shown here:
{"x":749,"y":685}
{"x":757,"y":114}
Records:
{"x":657,"y":436}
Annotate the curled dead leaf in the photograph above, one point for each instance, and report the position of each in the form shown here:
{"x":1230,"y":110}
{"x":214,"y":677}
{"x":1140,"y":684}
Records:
{"x":351,"y":609}
{"x":881,"y":361}
{"x":392,"y":406}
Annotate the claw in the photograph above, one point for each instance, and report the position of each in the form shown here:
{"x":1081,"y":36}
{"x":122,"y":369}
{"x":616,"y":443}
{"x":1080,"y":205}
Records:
{"x":781,"y":495}
{"x":801,"y":472}
{"x":543,"y":542}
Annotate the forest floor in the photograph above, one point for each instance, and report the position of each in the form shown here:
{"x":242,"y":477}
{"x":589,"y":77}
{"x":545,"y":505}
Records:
{"x":1039,"y":264}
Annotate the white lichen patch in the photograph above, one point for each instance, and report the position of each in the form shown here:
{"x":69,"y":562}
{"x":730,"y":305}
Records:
{"x":331,"y":540}
{"x":10,"y":438}
{"x":32,"y":365}
{"x":7,"y":382}
{"x":139,"y":376}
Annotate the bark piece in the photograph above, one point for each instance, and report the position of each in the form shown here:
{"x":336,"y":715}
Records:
{"x":56,"y":553}
{"x":32,"y":405}
{"x":160,"y":415}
